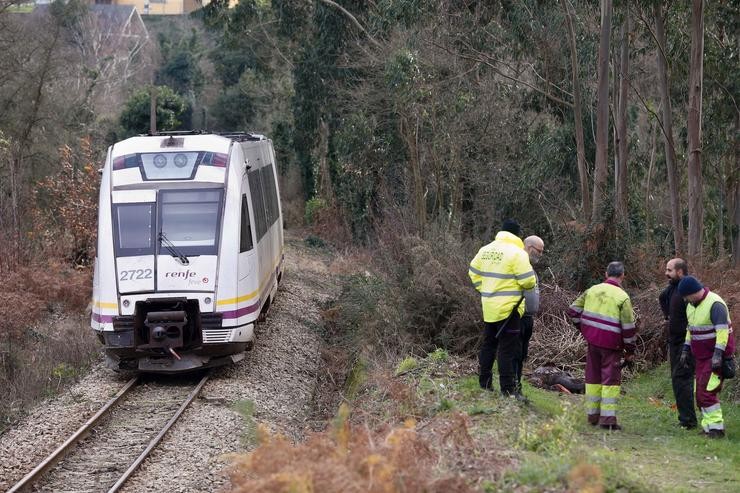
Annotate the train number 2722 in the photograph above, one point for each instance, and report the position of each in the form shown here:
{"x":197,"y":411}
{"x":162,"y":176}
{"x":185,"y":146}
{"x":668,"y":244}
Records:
{"x":135,"y":275}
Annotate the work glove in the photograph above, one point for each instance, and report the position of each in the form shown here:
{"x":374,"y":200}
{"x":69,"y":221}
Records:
{"x":683,"y":361}
{"x":717,"y":360}
{"x":629,"y":361}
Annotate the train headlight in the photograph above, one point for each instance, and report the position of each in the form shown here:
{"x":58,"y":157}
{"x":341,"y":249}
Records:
{"x":126,"y":303}
{"x":207,"y":300}
{"x":160,"y":161}
{"x":181,"y":160}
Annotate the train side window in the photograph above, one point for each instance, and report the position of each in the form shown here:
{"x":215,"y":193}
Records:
{"x":266,"y":195}
{"x":258,"y":204}
{"x":268,"y":180}
{"x":245,"y":239}
{"x":274,"y":201}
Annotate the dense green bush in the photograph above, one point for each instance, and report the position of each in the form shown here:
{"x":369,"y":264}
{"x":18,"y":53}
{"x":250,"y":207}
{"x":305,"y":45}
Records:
{"x":170,"y":109}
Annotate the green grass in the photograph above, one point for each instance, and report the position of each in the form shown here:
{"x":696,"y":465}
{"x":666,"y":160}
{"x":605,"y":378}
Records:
{"x":23,"y":8}
{"x":245,"y":408}
{"x":406,"y":365}
{"x":556,"y":448}
{"x":676,"y":459}
{"x":356,"y":377}
{"x":651,"y":452}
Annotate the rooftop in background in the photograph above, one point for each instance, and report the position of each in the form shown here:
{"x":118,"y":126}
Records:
{"x":144,"y":7}
{"x":159,"y":7}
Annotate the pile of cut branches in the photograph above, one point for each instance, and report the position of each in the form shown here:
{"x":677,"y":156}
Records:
{"x":556,"y":342}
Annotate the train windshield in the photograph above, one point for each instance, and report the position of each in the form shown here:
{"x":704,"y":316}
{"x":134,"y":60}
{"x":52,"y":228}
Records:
{"x":134,"y":232}
{"x":190,"y":219}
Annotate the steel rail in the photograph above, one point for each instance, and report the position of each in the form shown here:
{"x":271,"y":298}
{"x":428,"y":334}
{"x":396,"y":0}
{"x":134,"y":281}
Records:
{"x":132,"y":468}
{"x":54,"y":457}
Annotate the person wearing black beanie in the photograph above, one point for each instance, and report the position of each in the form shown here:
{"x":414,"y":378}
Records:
{"x":711,"y":341}
{"x":512,"y":227}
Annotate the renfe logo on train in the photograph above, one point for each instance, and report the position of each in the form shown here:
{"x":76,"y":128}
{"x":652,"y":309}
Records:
{"x":183,"y":275}
{"x":190,"y":249}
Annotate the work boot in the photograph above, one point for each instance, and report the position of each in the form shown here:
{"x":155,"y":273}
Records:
{"x":613,"y":427}
{"x":486,"y":381}
{"x":715,"y":434}
{"x":687,"y":426}
{"x":518,"y":396}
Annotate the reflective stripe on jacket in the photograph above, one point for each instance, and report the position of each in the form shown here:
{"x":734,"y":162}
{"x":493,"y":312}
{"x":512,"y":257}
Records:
{"x":605,"y":317}
{"x":705,"y":335}
{"x":501,"y":272}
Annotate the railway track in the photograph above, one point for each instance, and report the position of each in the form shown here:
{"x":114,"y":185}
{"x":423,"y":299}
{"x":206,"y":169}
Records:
{"x":103,"y":453}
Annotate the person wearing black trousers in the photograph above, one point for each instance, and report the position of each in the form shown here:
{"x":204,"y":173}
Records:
{"x":501,"y":273}
{"x":674,"y":310}
{"x":535,"y":247}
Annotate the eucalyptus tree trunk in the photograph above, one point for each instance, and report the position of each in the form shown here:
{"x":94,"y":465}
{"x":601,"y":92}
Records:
{"x":670,"y":149}
{"x":721,"y":216}
{"x":735,"y":197}
{"x":736,"y":220}
{"x":410,"y":133}
{"x":15,"y":166}
{"x":324,"y":185}
{"x":602,"y":113}
{"x":648,"y":211}
{"x":620,"y":177}
{"x":153,"y":109}
{"x":696,"y":72}
{"x":577,"y":116}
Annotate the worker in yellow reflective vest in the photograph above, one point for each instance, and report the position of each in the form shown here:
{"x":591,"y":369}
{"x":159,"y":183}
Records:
{"x":710,"y":339}
{"x":501,"y":272}
{"x":604,"y":315}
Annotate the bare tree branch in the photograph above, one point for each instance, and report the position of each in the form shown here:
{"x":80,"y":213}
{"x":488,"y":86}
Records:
{"x":354,"y":21}
{"x":485,"y":60}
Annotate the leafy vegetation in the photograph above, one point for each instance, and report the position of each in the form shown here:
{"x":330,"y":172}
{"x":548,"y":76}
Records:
{"x":410,"y":129}
{"x":544,"y":446}
{"x":170,"y":108}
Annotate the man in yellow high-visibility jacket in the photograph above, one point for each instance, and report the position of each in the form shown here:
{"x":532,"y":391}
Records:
{"x":603,"y":314}
{"x":710,"y":339}
{"x":501,"y":272}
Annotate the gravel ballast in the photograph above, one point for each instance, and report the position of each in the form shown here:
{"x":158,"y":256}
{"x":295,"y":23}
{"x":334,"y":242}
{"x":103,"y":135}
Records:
{"x":274,"y":386}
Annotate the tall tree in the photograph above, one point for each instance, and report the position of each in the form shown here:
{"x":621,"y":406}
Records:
{"x":577,"y":116}
{"x":602,"y":113}
{"x":696,"y":75}
{"x":620,"y":175}
{"x":667,"y":126}
{"x":29,"y":121}
{"x":734,"y":195}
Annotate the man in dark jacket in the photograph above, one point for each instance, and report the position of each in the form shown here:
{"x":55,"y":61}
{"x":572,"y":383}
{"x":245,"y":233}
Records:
{"x":674,"y":310}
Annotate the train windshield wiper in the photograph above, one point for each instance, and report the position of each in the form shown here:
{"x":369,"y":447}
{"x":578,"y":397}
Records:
{"x":172,"y":249}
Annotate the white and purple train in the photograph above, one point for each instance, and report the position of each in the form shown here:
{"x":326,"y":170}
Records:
{"x":190,"y":249}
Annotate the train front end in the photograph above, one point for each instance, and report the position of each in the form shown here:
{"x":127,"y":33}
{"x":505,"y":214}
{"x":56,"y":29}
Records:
{"x":163,"y":206}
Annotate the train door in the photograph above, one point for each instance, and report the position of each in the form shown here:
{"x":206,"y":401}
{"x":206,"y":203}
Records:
{"x":247,"y":283}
